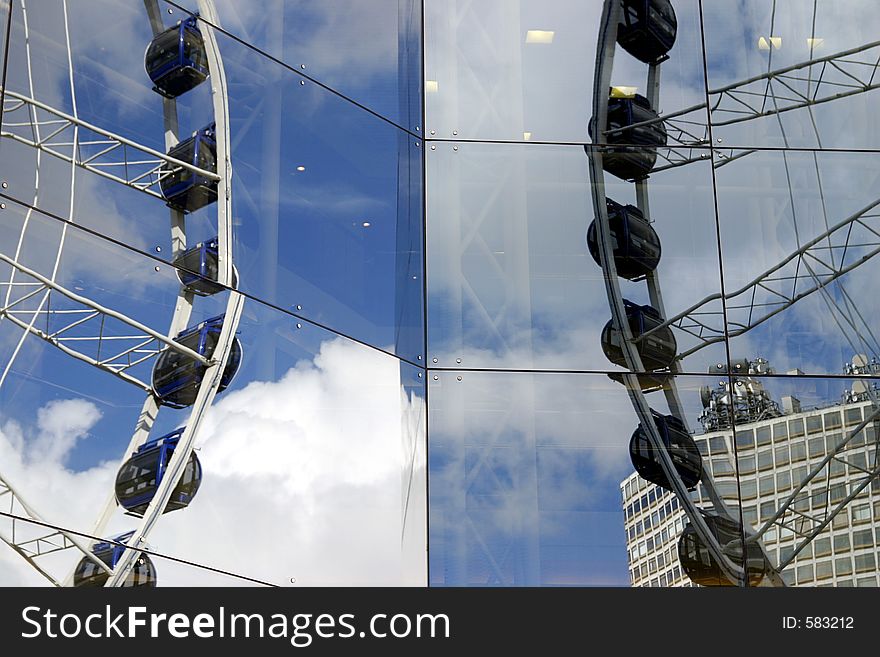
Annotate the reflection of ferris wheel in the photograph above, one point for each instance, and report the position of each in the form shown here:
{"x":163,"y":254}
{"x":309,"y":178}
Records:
{"x":190,"y":363}
{"x":631,"y":140}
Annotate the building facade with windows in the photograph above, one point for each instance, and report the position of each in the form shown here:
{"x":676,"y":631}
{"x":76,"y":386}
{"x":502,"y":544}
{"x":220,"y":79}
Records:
{"x":756,"y":470}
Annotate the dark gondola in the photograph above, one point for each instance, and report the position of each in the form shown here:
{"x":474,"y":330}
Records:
{"x":635,"y":244}
{"x":197,"y":268}
{"x":679,"y":444}
{"x":657,"y":351}
{"x":631,"y":153}
{"x":647,"y":29}
{"x":140,"y":476}
{"x":88,"y":574}
{"x":176,"y":376}
{"x":184,"y":189}
{"x":175,"y":59}
{"x":702,"y":568}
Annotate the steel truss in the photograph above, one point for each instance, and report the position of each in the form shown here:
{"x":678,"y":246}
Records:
{"x":811,"y":268}
{"x":803,"y":85}
{"x":33,"y":123}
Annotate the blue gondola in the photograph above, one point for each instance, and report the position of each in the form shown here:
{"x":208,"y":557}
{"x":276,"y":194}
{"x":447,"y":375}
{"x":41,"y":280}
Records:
{"x":88,"y":574}
{"x":657,"y":351}
{"x":140,"y":476}
{"x":632,"y":153}
{"x":680,"y":446}
{"x":702,"y":568}
{"x":183,"y":189}
{"x":176,"y":376}
{"x":635,"y":244}
{"x":197,"y":268}
{"x":175,"y":59}
{"x":647,"y":29}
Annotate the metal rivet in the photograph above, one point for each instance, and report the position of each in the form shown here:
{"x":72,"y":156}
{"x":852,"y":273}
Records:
{"x":302,"y":66}
{"x":418,"y":358}
{"x":436,"y":378}
{"x":434,"y":360}
{"x":156,"y":268}
{"x":458,"y":377}
{"x":417,"y":143}
{"x":298,"y":325}
{"x":719,"y":140}
{"x":302,"y":82}
{"x":170,"y":11}
{"x":2,"y":206}
{"x":158,"y":249}
{"x":420,"y":375}
{"x":454,"y":133}
{"x":299,"y":307}
{"x":433,"y":147}
{"x":418,"y":129}
{"x":458,"y":360}
{"x":433,"y":132}
{"x":4,"y":184}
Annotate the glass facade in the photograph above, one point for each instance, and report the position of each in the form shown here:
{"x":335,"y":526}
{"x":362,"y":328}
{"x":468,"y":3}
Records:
{"x":459,"y":293}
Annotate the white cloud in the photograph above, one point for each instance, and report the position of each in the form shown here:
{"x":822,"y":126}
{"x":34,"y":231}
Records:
{"x":303,"y":478}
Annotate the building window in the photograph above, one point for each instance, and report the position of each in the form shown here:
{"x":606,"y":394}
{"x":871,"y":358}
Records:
{"x":853,"y":416}
{"x":766,"y":485}
{"x":863,"y":538}
{"x":767,"y":510}
{"x":805,"y":573}
{"x":717,"y":445}
{"x":783,"y":480}
{"x":798,"y":451}
{"x":748,"y":489}
{"x":746,"y":464}
{"x":781,"y":456}
{"x":817,"y":447}
{"x":745,"y":439}
{"x":814,"y":424}
{"x":865,"y":562}
{"x":841,"y":543}
{"x":765,"y":459}
{"x":861,"y":513}
{"x":796,"y":428}
{"x":824,"y":570}
{"x":780,"y":431}
{"x":832,"y":420}
{"x":763,"y":435}
{"x":722,"y":467}
{"x":843,"y":566}
{"x":822,"y":546}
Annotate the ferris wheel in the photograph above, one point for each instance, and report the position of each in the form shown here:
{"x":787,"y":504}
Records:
{"x":181,"y":366}
{"x":634,"y":138}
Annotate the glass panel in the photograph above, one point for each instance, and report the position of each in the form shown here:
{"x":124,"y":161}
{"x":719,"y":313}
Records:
{"x":523,"y":492}
{"x":276,"y":447}
{"x":367,"y":51}
{"x":747,"y":41}
{"x":511,"y":281}
{"x":523,"y":69}
{"x":326,"y":198}
{"x":801,"y":225}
